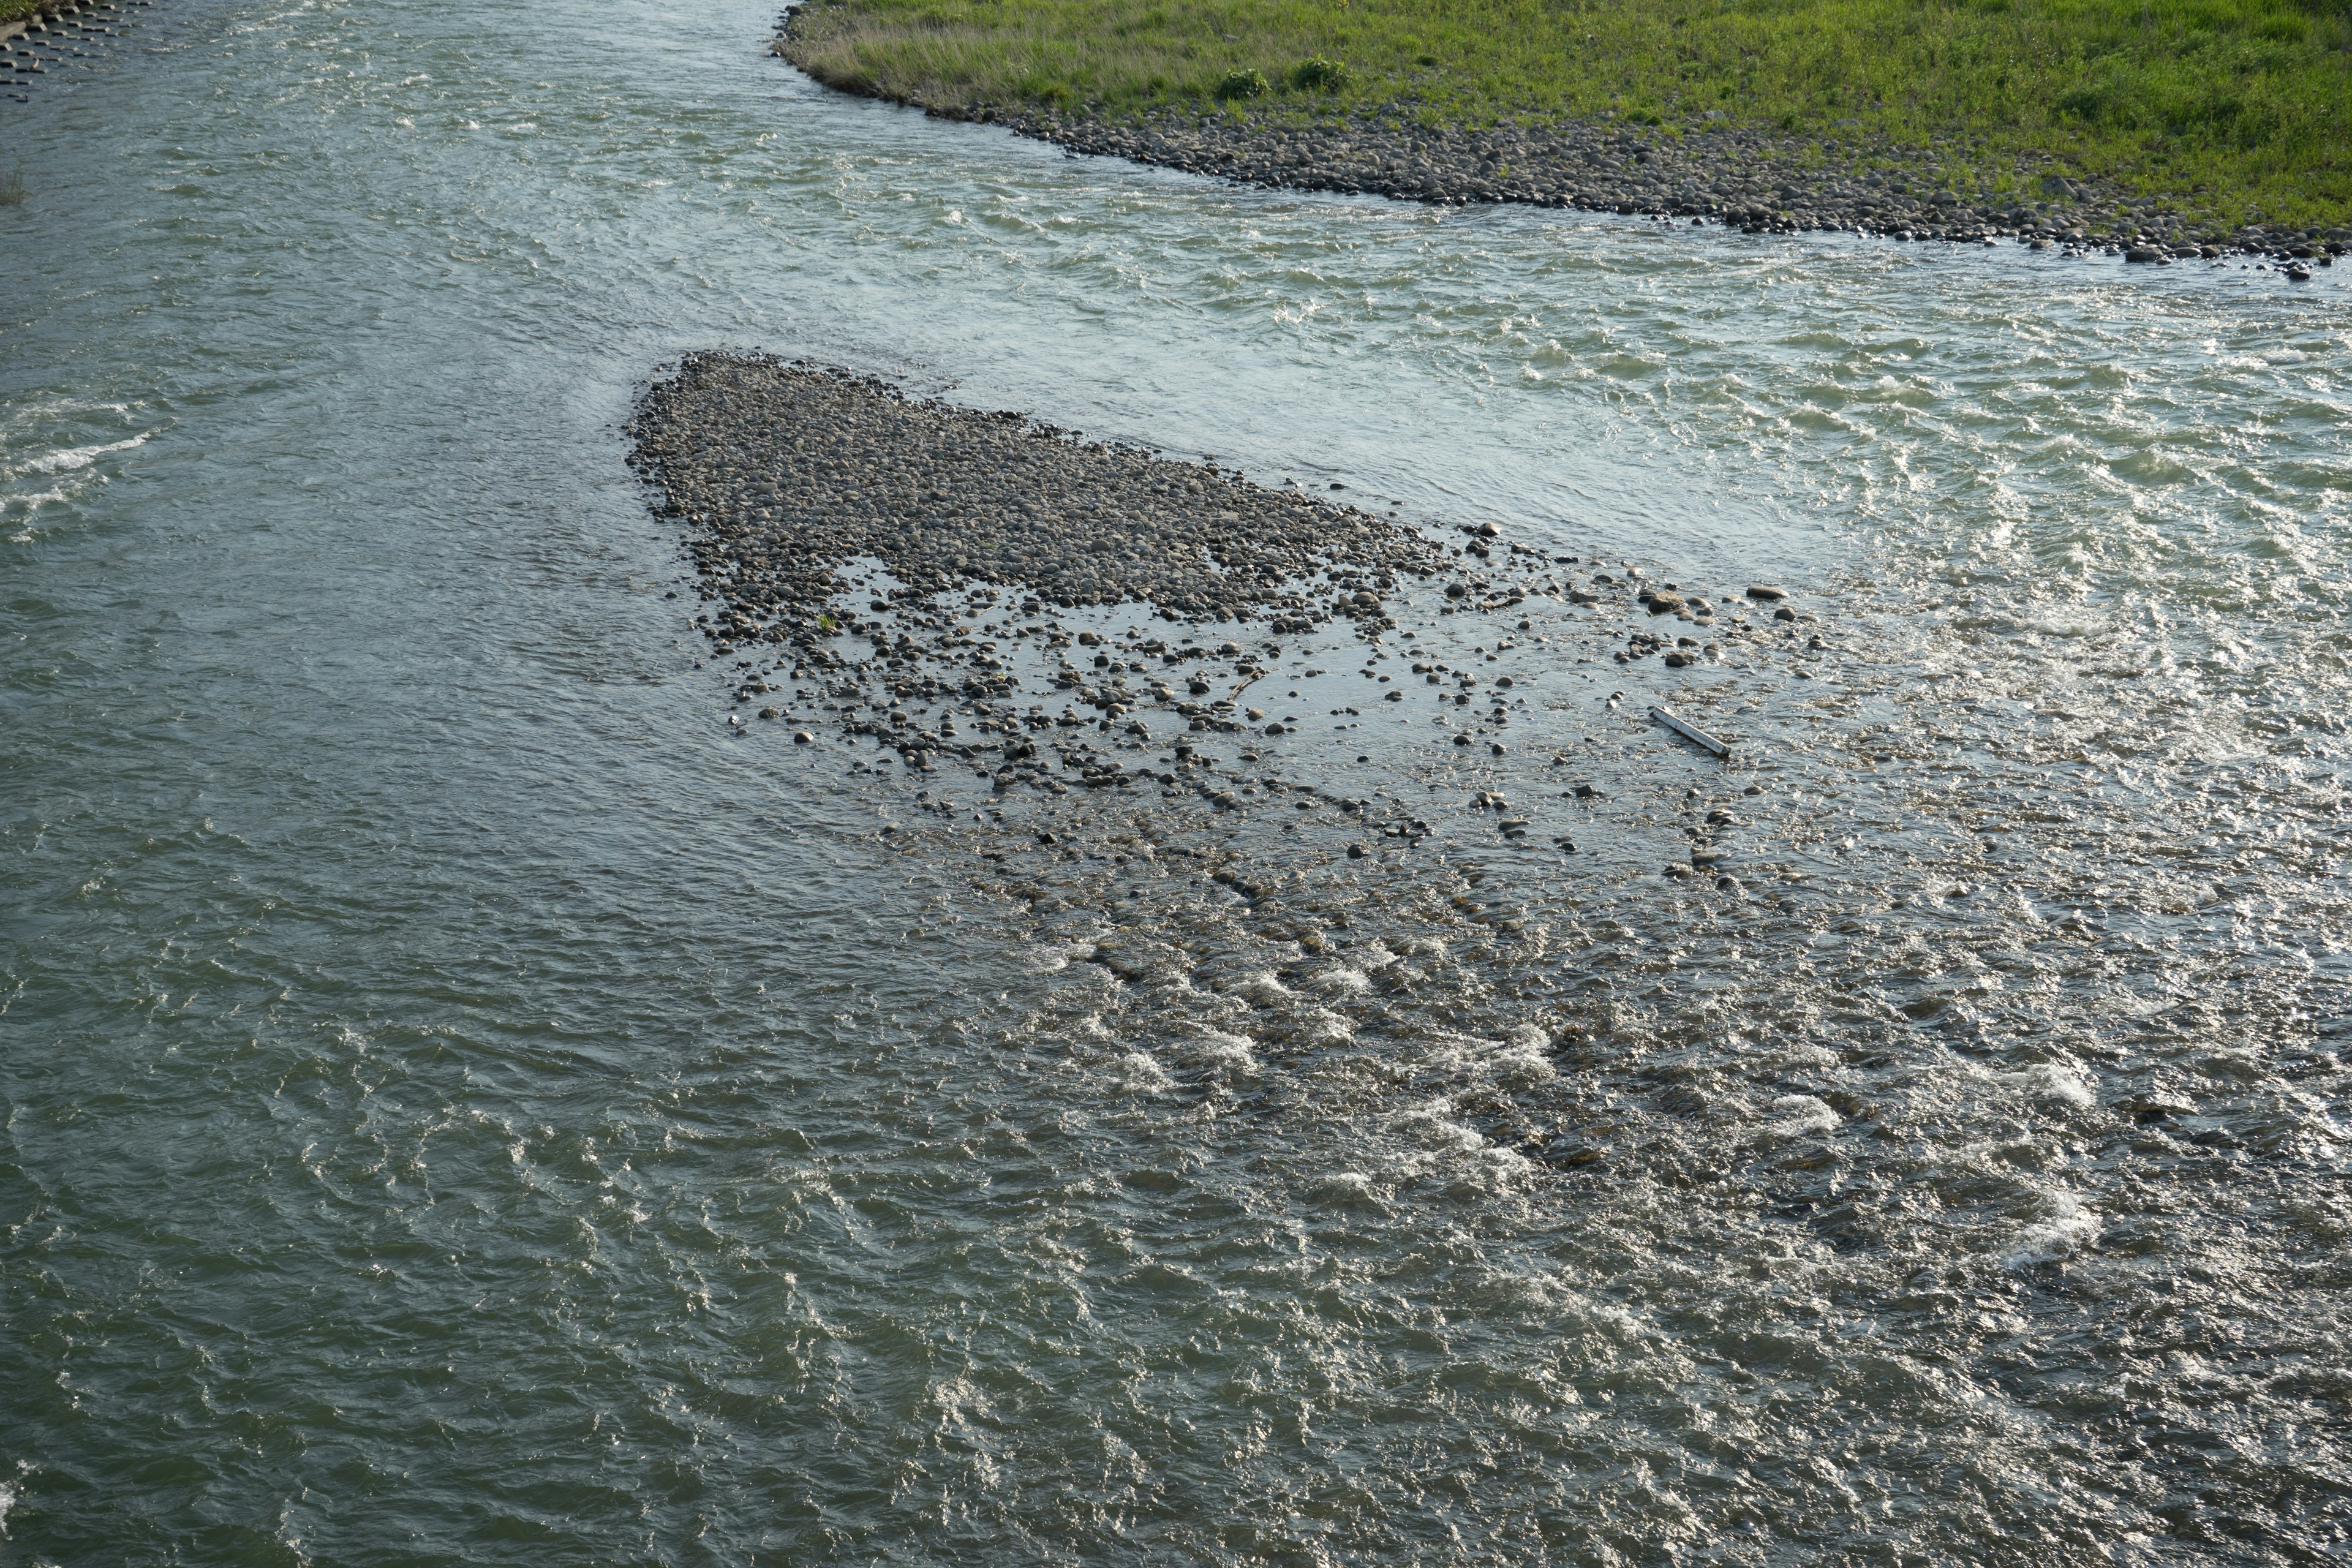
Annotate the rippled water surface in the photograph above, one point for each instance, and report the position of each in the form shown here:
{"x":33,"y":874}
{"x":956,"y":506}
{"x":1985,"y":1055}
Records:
{"x":457,"y":1103}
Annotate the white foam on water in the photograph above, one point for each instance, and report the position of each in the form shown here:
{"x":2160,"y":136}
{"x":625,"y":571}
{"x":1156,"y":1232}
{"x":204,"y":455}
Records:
{"x":1342,"y":981}
{"x":2051,"y":627}
{"x":1512,"y":1290}
{"x":1508,"y":1169}
{"x":1525,"y":1053}
{"x":1798,"y":1115}
{"x":1461,"y":1053}
{"x":1352,"y":1186}
{"x":1215,"y":1048}
{"x":39,"y":498}
{"x":1140,"y":1074}
{"x":1799,"y":1056}
{"x":1521,"y":1055}
{"x":2048,"y":1080}
{"x":2069,"y":1227}
{"x":74,"y":457}
{"x":1432,"y":1126}
{"x":1055,"y":957}
{"x":1262,"y":988}
{"x":1321,"y":1026}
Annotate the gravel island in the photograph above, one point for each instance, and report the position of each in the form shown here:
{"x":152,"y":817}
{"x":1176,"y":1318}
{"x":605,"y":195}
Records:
{"x":941,"y":587}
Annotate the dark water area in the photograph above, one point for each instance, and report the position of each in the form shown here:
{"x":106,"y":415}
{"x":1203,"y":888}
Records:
{"x":460,"y":1101}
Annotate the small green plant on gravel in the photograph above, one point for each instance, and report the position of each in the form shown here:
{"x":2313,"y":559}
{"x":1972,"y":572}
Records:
{"x":1240,"y":84}
{"x":1320,"y":75}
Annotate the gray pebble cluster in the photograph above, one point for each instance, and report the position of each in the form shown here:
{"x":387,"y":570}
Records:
{"x":1757,"y":180}
{"x":801,"y":485}
{"x":785,"y":471}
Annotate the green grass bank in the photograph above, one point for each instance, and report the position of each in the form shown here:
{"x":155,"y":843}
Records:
{"x":2225,"y":111}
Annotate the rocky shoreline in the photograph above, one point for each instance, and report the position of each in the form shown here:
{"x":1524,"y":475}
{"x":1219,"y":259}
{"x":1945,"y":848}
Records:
{"x":1716,"y":173}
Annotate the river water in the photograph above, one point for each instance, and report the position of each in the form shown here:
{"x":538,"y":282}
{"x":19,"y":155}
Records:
{"x":459,"y":1103}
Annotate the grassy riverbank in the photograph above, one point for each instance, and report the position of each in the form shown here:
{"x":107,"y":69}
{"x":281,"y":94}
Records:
{"x":2229,"y":111}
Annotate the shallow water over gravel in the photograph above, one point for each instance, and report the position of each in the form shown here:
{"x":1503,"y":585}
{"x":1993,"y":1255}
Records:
{"x":460,"y":1102}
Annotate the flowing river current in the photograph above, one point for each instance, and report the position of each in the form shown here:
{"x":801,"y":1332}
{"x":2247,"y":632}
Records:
{"x":460,"y":1101}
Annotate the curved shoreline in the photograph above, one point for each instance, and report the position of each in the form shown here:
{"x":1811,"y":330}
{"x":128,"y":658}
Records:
{"x":1733,"y":176}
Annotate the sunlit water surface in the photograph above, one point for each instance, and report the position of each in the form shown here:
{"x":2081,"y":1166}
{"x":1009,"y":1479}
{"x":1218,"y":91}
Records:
{"x":459,"y":1103}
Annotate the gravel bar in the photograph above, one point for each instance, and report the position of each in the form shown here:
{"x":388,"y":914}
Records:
{"x":898,"y":588}
{"x":787,"y":471}
{"x":827,"y":515}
